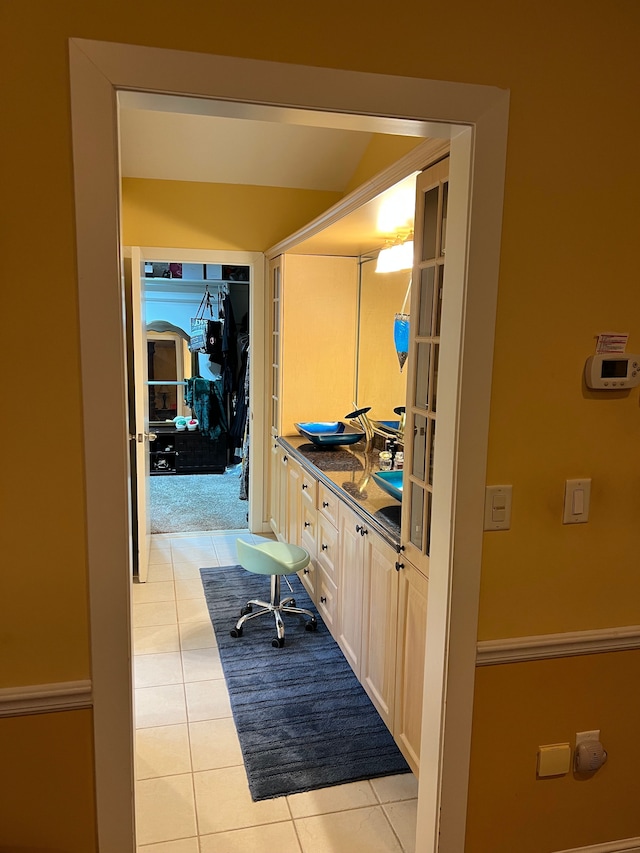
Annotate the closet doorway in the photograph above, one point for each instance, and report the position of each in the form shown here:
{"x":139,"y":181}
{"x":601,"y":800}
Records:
{"x":190,"y":478}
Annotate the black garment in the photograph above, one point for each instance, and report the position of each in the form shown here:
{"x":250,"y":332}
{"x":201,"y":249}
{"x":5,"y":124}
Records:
{"x":205,"y":399}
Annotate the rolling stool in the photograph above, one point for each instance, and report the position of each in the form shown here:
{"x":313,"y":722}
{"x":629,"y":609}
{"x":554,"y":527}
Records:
{"x":276,"y":559}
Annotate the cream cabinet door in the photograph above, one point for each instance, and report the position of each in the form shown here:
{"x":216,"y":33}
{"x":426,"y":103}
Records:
{"x":350,"y":580}
{"x":412,"y":628}
{"x":294,"y":477}
{"x":379,"y":625}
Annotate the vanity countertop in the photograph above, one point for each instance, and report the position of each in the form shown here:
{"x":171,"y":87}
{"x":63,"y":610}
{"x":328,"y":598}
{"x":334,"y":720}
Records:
{"x":348,"y":471}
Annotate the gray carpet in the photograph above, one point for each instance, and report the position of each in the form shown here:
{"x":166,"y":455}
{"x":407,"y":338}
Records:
{"x":303,"y":719}
{"x":185,"y":503}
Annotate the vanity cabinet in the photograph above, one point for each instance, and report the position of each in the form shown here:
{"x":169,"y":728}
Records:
{"x":410,"y":658}
{"x":367,"y":609}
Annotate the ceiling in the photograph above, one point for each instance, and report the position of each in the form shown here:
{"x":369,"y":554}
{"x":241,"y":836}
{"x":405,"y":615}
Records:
{"x":192,"y":139}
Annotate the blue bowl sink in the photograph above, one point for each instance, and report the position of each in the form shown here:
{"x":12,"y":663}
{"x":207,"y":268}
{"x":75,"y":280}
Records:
{"x":391,"y":482}
{"x":329,"y":433}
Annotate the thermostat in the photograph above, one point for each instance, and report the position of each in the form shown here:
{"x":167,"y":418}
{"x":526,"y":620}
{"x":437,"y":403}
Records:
{"x":612,"y":372}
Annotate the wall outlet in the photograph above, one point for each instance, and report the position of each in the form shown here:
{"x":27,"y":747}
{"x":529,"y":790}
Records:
{"x":581,"y":737}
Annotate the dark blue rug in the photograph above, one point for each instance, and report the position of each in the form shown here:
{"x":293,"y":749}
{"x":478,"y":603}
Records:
{"x":303,"y":718}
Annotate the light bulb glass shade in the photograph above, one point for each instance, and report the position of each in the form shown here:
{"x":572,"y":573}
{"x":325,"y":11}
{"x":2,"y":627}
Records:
{"x":396,"y":257}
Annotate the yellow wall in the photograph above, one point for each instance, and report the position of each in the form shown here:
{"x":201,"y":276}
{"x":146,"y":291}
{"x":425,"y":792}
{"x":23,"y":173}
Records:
{"x":568,"y":270}
{"x":47,"y":790}
{"x":183,"y":214}
{"x":548,"y":702}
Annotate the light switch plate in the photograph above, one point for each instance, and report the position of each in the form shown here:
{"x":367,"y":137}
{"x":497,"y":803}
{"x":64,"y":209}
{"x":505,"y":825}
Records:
{"x":497,"y":508}
{"x":577,"y":495}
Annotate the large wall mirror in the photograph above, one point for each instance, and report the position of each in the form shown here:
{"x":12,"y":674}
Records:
{"x":381,"y":383}
{"x":170,"y":364}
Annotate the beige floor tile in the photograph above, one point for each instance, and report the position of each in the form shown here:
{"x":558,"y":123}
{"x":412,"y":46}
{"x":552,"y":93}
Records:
{"x":345,"y":832}
{"x":154,"y":670}
{"x":223,"y":802}
{"x":192,"y":610}
{"x":189,"y":542}
{"x":160,"y":556}
{"x":158,"y":613}
{"x":148,"y":593}
{"x":185,"y":845}
{"x":186,"y":570}
{"x":191,"y":588}
{"x":201,"y":665}
{"x":207,"y":700}
{"x":389,"y":789}
{"x":402,"y":817}
{"x":156,"y":638}
{"x":165,"y":809}
{"x":160,"y":706}
{"x":256,"y":839}
{"x":197,"y":635}
{"x":214,"y":744}
{"x":158,"y":572}
{"x":162,"y":751}
{"x":338,"y":798}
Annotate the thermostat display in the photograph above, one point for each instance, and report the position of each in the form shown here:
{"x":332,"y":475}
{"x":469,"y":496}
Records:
{"x":612,"y":372}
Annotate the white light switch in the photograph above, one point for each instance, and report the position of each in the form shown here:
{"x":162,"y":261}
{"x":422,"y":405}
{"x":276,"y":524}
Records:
{"x":497,"y":508}
{"x":576,"y":501}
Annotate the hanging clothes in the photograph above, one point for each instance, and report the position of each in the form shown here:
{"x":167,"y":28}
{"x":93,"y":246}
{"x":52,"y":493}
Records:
{"x":205,"y":398}
{"x":244,"y":474}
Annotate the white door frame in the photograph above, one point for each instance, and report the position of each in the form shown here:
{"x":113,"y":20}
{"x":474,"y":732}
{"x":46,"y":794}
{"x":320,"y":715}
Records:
{"x":256,"y":261}
{"x":475,"y":118}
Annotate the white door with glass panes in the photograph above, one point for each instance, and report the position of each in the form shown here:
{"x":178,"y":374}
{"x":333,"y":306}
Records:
{"x":424,"y":350}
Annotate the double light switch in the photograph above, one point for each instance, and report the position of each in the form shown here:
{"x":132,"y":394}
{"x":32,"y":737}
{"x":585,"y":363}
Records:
{"x":497,"y":508}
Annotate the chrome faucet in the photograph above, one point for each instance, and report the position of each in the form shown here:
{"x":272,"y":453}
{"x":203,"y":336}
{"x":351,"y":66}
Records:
{"x":361,"y":415}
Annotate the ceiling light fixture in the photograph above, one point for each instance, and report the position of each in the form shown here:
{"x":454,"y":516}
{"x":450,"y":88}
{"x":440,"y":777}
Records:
{"x":397,"y":256}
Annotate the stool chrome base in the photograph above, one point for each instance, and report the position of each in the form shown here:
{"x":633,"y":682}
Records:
{"x":278,"y":608}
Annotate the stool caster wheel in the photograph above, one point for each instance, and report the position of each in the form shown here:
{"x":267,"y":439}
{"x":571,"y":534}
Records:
{"x":236,"y":632}
{"x":311,"y":625}
{"x":278,"y":642}
{"x":292,"y":603}
{"x":246,"y":609}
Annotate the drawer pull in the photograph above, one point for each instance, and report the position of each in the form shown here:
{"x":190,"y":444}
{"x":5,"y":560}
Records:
{"x":399,"y":566}
{"x":285,"y":459}
{"x":359,"y":529}
{"x":304,"y":486}
{"x":325,"y":504}
{"x":306,"y":571}
{"x":324,"y":547}
{"x":323,"y":599}
{"x":307,"y":524}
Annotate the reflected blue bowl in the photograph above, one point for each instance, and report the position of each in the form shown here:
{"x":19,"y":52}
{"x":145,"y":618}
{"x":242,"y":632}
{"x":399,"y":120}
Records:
{"x":329,"y":433}
{"x":391,"y":482}
{"x":392,"y":426}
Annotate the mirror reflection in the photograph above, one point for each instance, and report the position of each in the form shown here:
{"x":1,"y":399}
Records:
{"x":381,"y":383}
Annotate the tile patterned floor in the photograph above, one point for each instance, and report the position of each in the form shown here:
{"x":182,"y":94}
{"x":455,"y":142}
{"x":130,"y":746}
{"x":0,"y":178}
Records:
{"x":191,"y":789}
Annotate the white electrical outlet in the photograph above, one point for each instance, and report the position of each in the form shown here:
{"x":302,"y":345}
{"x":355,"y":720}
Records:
{"x":581,"y":737}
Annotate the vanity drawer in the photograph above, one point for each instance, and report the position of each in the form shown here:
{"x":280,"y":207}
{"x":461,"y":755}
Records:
{"x":308,"y":579}
{"x":328,"y":503}
{"x":309,"y":489}
{"x":327,"y":600}
{"x":327,"y":547}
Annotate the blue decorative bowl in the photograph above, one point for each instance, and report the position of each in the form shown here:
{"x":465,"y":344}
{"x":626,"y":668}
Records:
{"x":391,"y":482}
{"x":329,"y":433}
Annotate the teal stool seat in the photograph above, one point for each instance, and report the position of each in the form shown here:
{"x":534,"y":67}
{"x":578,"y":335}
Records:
{"x":268,"y":557}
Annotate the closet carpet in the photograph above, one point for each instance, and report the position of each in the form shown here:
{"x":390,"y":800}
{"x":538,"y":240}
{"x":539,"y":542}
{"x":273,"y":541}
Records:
{"x":184,"y":503}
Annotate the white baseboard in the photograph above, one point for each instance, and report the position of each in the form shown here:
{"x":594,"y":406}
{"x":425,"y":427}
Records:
{"x":625,"y":845}
{"x":569,"y":644}
{"x":45,"y":698}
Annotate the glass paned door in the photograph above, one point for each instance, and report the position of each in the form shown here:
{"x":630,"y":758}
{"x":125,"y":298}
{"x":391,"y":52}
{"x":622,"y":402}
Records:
{"x":424,"y":350}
